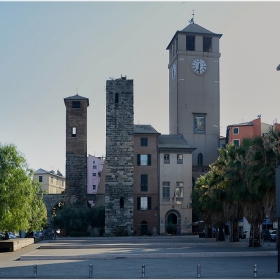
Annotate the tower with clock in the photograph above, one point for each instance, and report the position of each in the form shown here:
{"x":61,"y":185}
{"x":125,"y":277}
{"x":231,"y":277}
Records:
{"x":194,"y":92}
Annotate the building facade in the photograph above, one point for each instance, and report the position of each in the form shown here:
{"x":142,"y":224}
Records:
{"x":119,"y":157}
{"x":51,"y":182}
{"x":94,"y":172}
{"x":76,"y":150}
{"x":194,"y":92}
{"x":145,"y":192}
{"x":175,"y":183}
{"x":236,"y":132}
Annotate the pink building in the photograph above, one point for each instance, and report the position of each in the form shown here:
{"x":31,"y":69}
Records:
{"x":94,"y":169}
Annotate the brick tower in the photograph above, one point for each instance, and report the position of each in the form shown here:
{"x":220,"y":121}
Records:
{"x":76,"y":150}
{"x":119,"y":157}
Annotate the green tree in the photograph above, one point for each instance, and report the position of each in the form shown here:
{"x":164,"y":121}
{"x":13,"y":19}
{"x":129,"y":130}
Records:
{"x":78,"y":219}
{"x":20,"y":206}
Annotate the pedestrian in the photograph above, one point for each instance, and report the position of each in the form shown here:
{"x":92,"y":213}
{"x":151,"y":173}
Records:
{"x":7,"y":235}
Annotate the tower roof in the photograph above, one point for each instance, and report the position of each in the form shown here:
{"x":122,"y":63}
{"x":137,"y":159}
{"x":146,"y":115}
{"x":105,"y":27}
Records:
{"x":192,"y":29}
{"x":76,"y":97}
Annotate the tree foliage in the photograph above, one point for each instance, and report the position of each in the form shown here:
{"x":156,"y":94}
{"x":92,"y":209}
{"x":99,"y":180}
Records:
{"x":79,"y":219}
{"x":21,"y":206}
{"x":240,"y":183}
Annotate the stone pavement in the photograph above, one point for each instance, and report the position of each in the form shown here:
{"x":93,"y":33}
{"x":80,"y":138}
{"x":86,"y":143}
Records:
{"x":164,"y":257}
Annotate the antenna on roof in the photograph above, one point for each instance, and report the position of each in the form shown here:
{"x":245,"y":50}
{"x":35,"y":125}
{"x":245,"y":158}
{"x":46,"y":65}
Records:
{"x":192,"y":20}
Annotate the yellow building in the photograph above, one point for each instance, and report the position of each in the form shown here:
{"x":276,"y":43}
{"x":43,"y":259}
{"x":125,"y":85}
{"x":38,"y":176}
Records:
{"x":53,"y":183}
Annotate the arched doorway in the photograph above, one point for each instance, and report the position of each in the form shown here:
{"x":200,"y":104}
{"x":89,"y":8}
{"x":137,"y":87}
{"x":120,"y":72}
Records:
{"x":173,"y":217}
{"x":144,"y":228}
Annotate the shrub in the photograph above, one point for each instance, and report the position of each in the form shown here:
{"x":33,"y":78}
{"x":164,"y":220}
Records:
{"x":171,"y":229}
{"x":78,"y":234}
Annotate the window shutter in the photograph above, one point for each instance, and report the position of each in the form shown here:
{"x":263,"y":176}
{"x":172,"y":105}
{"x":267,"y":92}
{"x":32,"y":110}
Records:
{"x":144,"y":182}
{"x":149,"y":203}
{"x":149,"y":159}
{"x":138,"y":203}
{"x":138,"y":159}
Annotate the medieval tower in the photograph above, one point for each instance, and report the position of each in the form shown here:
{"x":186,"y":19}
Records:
{"x":194,"y":92}
{"x":76,"y":150}
{"x":119,"y":157}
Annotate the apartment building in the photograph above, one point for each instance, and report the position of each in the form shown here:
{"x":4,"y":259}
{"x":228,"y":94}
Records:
{"x":51,"y":182}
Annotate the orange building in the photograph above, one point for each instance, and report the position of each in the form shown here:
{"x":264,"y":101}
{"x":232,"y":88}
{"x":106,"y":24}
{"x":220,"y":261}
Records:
{"x":236,"y":132}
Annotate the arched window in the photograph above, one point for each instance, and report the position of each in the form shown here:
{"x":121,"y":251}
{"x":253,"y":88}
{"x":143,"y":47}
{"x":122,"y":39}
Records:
{"x":74,"y":131}
{"x":200,"y":159}
{"x":121,"y":202}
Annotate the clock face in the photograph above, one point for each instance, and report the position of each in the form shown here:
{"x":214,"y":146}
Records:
{"x":173,"y":71}
{"x":199,"y":66}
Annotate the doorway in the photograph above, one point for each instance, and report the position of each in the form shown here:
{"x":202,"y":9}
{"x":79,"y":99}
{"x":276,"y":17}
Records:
{"x":144,"y":228}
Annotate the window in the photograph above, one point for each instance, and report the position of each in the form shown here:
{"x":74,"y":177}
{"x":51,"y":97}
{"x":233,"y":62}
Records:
{"x":116,"y":98}
{"x":236,"y":130}
{"x":94,"y":187}
{"x":143,"y":159}
{"x":144,"y":182}
{"x":166,"y":158}
{"x":179,"y":159}
{"x":179,"y":192}
{"x":94,"y":174}
{"x":207,"y":44}
{"x":74,"y":131}
{"x":144,"y":141}
{"x":57,"y":181}
{"x":190,"y":43}
{"x":40,"y":179}
{"x":144,"y":203}
{"x":166,"y":191}
{"x":76,"y":104}
{"x":236,"y":142}
{"x":121,"y":202}
{"x":200,"y":159}
{"x":199,"y":123}
{"x":93,"y":162}
{"x":94,"y":167}
{"x":51,"y":179}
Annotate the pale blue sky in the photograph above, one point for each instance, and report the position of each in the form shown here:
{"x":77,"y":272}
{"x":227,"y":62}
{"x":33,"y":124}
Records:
{"x":51,"y":49}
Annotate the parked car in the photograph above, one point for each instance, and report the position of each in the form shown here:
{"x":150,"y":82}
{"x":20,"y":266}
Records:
{"x":243,"y":235}
{"x":272,"y":235}
{"x":2,"y":236}
{"x":11,"y":235}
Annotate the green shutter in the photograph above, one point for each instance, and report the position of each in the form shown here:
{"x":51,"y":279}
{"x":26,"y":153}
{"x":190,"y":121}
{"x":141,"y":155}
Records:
{"x":138,"y":203}
{"x":149,"y":203}
{"x":138,"y":159}
{"x":144,"y":182}
{"x":149,"y":159}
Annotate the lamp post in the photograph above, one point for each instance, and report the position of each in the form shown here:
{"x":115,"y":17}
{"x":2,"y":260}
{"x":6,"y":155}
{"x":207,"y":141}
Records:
{"x":277,"y":181}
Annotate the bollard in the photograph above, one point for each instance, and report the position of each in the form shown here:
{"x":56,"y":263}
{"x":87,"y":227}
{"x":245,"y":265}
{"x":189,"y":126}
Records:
{"x":90,"y":270}
{"x":198,"y":271}
{"x":255,"y":271}
{"x":143,"y":271}
{"x":35,"y":270}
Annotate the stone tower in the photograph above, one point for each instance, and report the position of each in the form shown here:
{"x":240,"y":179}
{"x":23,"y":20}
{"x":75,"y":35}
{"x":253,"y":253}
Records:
{"x":119,"y":157}
{"x":194,"y":92}
{"x":76,"y":150}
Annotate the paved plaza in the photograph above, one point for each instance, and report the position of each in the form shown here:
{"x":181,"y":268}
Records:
{"x":156,"y":257}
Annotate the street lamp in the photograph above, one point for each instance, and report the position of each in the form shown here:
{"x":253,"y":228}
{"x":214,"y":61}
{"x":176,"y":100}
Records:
{"x":277,"y":181}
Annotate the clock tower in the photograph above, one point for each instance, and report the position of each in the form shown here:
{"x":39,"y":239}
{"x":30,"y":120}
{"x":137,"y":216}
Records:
{"x":194,"y":92}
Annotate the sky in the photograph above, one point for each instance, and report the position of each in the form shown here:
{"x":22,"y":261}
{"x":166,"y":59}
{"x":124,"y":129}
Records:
{"x":53,"y":50}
